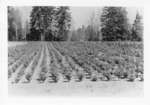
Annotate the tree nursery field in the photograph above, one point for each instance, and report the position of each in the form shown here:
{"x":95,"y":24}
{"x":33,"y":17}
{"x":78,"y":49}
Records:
{"x":91,"y":63}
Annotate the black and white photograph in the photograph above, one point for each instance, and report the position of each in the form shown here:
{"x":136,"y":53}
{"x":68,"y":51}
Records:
{"x":75,"y":51}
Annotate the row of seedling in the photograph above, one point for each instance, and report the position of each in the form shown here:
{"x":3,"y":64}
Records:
{"x":52,"y":74}
{"x":31,"y":67}
{"x":43,"y":67}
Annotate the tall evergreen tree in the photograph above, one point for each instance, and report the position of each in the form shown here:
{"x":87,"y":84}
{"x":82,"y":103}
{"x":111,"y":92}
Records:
{"x":63,"y":19}
{"x":41,"y":20}
{"x":137,"y":29}
{"x":114,"y":24}
{"x":52,"y":23}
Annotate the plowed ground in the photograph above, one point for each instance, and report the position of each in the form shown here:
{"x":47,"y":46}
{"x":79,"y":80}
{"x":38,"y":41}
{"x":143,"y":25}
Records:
{"x":80,"y":66}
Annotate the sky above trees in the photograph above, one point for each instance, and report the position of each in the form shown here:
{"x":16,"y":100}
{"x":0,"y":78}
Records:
{"x":81,"y":15}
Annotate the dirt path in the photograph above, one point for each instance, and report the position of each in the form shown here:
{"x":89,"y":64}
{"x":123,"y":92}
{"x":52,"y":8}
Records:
{"x":38,"y":68}
{"x":86,"y":89}
{"x":48,"y":63}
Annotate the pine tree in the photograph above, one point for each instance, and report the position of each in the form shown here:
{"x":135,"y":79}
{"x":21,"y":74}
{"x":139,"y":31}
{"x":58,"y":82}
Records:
{"x":63,"y":19}
{"x":41,"y":20}
{"x":52,"y":23}
{"x":114,"y":24}
{"x":137,"y":29}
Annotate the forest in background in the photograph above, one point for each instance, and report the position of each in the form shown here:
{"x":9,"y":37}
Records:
{"x":49,"y":23}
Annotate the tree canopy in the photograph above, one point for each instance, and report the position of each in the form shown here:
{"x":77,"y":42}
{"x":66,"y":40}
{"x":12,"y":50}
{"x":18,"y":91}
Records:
{"x":114,"y":24}
{"x":51,"y":22}
{"x":137,"y":28}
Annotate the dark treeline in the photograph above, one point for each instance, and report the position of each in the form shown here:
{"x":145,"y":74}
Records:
{"x":114,"y":26}
{"x":49,"y":23}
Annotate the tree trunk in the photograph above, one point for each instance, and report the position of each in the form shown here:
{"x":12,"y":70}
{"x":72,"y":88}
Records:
{"x":16,"y":32}
{"x":42,"y":36}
